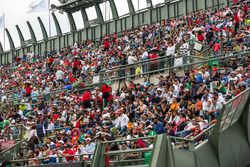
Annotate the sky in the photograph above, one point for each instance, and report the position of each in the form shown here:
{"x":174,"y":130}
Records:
{"x":16,"y":14}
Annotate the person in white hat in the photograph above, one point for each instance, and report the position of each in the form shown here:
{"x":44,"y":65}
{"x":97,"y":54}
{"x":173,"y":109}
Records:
{"x":90,"y":147}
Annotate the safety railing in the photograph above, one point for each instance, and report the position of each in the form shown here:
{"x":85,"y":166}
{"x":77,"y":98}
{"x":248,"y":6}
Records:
{"x":164,"y":61}
{"x":234,"y":109}
{"x":113,"y":68}
{"x":148,"y":67}
{"x":165,"y":70}
{"x":123,"y":155}
{"x":14,"y":132}
{"x":190,"y":142}
{"x":230,"y":114}
{"x":13,"y":152}
{"x":53,"y":159}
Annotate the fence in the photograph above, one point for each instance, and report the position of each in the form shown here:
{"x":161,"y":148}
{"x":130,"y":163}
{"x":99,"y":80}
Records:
{"x":144,"y":154}
{"x":166,"y":68}
{"x":14,"y":132}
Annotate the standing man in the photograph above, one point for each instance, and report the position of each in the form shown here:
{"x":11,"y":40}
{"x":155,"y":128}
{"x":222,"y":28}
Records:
{"x":105,"y":89}
{"x":40,"y":131}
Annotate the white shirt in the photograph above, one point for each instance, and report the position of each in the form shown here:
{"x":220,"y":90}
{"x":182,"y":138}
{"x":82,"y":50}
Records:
{"x":59,"y":75}
{"x":205,"y":106}
{"x":205,"y":75}
{"x":124,"y":120}
{"x":189,"y":126}
{"x":144,"y":55}
{"x":51,"y":127}
{"x":90,"y":148}
{"x":203,"y":125}
{"x":121,"y":121}
{"x":184,"y":49}
{"x":31,"y":134}
{"x":131,"y":59}
{"x":170,"y":50}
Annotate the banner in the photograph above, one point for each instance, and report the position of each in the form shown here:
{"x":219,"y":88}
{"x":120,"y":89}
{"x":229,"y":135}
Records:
{"x":2,"y":21}
{"x":4,"y":145}
{"x":38,"y":6}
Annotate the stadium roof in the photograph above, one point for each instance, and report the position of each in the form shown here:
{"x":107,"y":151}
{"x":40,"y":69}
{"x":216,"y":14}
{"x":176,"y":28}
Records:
{"x":75,"y":5}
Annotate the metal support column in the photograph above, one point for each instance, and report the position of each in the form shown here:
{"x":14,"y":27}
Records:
{"x":44,"y":32}
{"x":149,"y":4}
{"x":1,"y":48}
{"x":113,"y":9}
{"x":12,"y":46}
{"x":85,"y":18}
{"x":21,"y":38}
{"x":71,"y":22}
{"x":131,"y":7}
{"x":99,"y":13}
{"x":57,"y":25}
{"x":32,"y":34}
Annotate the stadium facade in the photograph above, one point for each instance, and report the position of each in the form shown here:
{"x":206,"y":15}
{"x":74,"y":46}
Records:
{"x":95,"y":29}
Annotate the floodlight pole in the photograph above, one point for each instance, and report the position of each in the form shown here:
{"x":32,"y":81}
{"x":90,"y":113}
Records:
{"x":49,"y":19}
{"x":105,"y":11}
{"x":3,"y":31}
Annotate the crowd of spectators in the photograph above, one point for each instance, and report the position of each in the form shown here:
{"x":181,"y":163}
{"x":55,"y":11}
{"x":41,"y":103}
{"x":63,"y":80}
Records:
{"x":177,"y":106}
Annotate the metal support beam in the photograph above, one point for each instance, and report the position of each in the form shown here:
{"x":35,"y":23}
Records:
{"x":32,"y":34}
{"x":149,"y":4}
{"x":71,"y":22}
{"x":99,"y":13}
{"x":1,"y":48}
{"x":45,"y":35}
{"x":113,"y":9}
{"x":57,"y":25}
{"x":12,"y":46}
{"x":21,"y":38}
{"x":131,"y":7}
{"x":85,"y":18}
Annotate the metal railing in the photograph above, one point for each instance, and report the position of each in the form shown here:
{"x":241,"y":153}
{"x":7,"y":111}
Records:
{"x":166,"y":70}
{"x":121,"y":156}
{"x":165,"y":60}
{"x":14,"y":132}
{"x":59,"y":159}
{"x":189,"y":143}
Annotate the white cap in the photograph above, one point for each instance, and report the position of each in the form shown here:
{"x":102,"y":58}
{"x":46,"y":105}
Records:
{"x":159,"y":89}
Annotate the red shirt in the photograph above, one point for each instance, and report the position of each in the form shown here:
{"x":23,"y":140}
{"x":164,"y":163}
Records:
{"x":110,"y":98}
{"x":86,"y":96}
{"x":245,"y":8}
{"x":50,"y":60}
{"x":216,"y":47}
{"x":236,"y":18}
{"x":106,"y":44}
{"x":55,"y":117}
{"x":70,"y":152}
{"x":105,"y":88}
{"x":76,"y":64}
{"x":28,"y":90}
{"x":72,"y":79}
{"x":153,"y":56}
{"x":75,"y":52}
{"x":235,"y":2}
{"x":200,"y":37}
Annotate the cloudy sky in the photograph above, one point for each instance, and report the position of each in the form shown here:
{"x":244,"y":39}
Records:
{"x":16,"y":14}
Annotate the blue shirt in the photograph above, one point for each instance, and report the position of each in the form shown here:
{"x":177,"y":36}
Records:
{"x":159,"y":128}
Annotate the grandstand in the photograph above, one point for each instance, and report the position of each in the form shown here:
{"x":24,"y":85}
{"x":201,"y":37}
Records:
{"x":167,"y":86}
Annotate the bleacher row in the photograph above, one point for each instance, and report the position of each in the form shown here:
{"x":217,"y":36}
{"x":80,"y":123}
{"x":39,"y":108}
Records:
{"x":73,"y":90}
